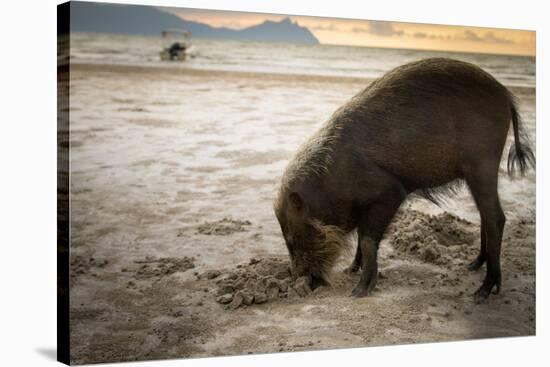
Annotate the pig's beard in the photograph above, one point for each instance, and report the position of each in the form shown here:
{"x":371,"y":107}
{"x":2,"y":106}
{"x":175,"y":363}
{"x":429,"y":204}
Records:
{"x":331,"y":243}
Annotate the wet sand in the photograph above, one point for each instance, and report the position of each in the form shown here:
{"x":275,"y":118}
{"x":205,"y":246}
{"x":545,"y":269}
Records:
{"x":173,"y":173}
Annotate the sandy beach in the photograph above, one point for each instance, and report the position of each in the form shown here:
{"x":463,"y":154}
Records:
{"x":173,"y":174}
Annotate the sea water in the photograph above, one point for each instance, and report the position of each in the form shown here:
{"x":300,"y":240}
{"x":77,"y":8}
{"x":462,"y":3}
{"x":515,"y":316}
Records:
{"x":268,"y":57}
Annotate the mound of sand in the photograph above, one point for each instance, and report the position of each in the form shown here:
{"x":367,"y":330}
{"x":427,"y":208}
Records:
{"x":440,"y":239}
{"x":259,"y":281}
{"x":437,"y":239}
{"x":223,"y":227}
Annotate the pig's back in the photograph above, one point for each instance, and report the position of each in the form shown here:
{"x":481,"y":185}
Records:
{"x":418,"y":120}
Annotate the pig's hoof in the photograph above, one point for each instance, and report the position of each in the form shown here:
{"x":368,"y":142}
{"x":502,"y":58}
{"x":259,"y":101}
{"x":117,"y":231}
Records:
{"x":363,"y":289}
{"x":476,"y":264}
{"x":360,"y":291}
{"x":481,"y":295}
{"x":485,"y":290}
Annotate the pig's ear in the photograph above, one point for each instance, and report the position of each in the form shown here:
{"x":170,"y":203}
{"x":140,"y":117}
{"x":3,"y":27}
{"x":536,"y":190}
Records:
{"x":296,"y":201}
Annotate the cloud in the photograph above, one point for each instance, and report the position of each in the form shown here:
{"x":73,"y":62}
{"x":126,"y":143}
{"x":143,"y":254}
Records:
{"x":329,"y":27}
{"x":471,"y":36}
{"x":490,"y":37}
{"x":427,"y":35}
{"x":377,"y":28}
{"x":440,"y":36}
{"x":420,"y":35}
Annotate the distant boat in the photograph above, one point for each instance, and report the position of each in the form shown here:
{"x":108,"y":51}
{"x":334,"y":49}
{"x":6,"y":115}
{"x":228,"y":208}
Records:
{"x":176,"y":45}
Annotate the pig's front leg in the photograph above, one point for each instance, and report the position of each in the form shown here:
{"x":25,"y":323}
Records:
{"x":372,"y":225}
{"x":369,"y":273}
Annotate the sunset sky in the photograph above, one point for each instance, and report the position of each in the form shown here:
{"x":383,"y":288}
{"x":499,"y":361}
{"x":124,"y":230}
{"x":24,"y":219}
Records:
{"x":383,"y":34}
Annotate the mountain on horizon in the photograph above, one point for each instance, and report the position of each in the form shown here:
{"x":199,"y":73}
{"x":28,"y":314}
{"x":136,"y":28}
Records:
{"x":149,"y":20}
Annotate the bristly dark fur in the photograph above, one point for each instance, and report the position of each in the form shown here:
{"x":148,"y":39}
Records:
{"x":423,"y":127}
{"x":437,"y":195}
{"x":520,"y":152}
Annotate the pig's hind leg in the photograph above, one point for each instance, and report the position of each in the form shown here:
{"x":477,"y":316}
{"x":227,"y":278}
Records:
{"x":482,"y":257}
{"x":483,"y":183}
